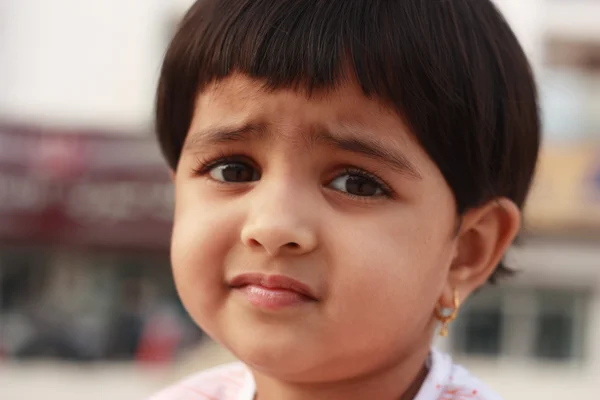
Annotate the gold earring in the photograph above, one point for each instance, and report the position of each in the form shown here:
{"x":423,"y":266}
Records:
{"x":445,"y":318}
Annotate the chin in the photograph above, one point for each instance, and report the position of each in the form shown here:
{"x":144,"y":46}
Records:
{"x":297,"y":362}
{"x":272,"y":354}
{"x":289,"y":360}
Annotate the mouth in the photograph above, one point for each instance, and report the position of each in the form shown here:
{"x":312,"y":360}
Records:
{"x":272,"y":292}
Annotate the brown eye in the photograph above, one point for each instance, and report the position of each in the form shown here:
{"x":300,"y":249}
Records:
{"x":357,"y":185}
{"x":234,"y":173}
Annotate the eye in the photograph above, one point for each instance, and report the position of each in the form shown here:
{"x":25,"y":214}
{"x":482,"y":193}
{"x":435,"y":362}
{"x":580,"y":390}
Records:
{"x":359,"y":183}
{"x":233,"y":172}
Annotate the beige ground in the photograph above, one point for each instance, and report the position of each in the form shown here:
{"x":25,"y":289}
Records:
{"x":56,"y":381}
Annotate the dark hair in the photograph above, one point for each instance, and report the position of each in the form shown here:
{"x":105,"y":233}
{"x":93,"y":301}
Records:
{"x":452,"y":68}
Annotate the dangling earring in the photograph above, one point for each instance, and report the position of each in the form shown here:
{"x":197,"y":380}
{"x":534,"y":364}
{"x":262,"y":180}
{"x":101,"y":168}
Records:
{"x":446,"y":318}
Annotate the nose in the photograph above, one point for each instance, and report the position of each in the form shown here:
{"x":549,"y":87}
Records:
{"x":280,"y":224}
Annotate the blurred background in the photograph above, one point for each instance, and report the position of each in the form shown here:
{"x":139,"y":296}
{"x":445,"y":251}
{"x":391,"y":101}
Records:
{"x":87,"y":301}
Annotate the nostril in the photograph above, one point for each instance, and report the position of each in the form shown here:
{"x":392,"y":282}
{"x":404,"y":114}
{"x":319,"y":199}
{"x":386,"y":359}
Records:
{"x":272,"y":247}
{"x":254,"y":243}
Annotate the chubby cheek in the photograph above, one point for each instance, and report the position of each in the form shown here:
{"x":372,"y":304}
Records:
{"x":389,"y":280}
{"x":199,"y":247}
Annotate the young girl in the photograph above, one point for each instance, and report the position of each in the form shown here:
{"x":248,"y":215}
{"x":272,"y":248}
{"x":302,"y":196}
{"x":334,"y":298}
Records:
{"x":347,"y":173}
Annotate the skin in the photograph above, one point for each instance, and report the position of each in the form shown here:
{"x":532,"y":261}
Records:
{"x":379,"y":256}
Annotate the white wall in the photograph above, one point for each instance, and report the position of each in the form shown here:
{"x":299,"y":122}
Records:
{"x":181,"y":6}
{"x":526,"y":18}
{"x":577,"y":19}
{"x":81,"y":62}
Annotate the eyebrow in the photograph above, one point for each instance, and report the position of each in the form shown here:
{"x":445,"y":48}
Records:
{"x":358,"y":144}
{"x":348,"y":141}
{"x":224,"y":134}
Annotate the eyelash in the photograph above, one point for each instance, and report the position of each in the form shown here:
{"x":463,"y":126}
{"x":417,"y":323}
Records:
{"x":385,"y":188}
{"x":204,"y":166}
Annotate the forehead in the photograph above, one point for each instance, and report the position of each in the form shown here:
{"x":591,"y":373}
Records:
{"x":343,"y":114}
{"x":239,"y":99}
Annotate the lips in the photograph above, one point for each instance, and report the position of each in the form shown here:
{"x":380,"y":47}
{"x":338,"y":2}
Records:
{"x":273,"y":283}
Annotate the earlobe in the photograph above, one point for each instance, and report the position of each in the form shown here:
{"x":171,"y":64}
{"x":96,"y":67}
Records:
{"x":485,"y":235}
{"x":445,"y":317}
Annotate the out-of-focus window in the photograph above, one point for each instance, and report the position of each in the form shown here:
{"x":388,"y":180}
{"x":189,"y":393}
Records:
{"x":524,"y":322}
{"x":559,"y":324}
{"x":483,"y":332}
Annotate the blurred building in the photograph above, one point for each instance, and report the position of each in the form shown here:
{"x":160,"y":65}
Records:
{"x":85,"y":199}
{"x":85,"y":196}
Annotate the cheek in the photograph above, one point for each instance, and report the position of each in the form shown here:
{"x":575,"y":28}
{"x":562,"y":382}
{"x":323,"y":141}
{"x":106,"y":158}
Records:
{"x":390,"y":271}
{"x":202,"y":236}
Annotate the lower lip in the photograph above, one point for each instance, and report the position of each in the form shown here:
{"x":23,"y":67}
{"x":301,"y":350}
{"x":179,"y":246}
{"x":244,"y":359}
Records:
{"x":272,"y":299}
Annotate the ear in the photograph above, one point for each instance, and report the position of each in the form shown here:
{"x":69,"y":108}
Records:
{"x":485,"y":234}
{"x":172,"y":173}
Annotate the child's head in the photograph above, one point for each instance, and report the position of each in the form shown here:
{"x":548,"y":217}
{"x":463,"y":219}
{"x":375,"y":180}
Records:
{"x":376,"y":151}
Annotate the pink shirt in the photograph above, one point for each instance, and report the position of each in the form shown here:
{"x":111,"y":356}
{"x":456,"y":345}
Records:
{"x":445,"y":381}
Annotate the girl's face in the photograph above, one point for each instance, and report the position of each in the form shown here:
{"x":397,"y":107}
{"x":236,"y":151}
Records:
{"x":313,"y":236}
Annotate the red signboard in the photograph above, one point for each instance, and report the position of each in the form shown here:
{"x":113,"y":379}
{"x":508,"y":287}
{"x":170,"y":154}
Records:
{"x":83,"y":189}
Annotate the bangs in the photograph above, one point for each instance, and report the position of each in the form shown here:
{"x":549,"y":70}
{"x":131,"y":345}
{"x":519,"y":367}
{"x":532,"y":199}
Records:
{"x":302,"y":45}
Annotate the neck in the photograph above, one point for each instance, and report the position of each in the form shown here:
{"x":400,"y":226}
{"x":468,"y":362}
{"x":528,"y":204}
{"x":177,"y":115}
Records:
{"x":401,"y":381}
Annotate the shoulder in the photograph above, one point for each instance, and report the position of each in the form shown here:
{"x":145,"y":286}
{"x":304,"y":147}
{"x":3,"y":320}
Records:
{"x":227,"y":382}
{"x":449,"y":381}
